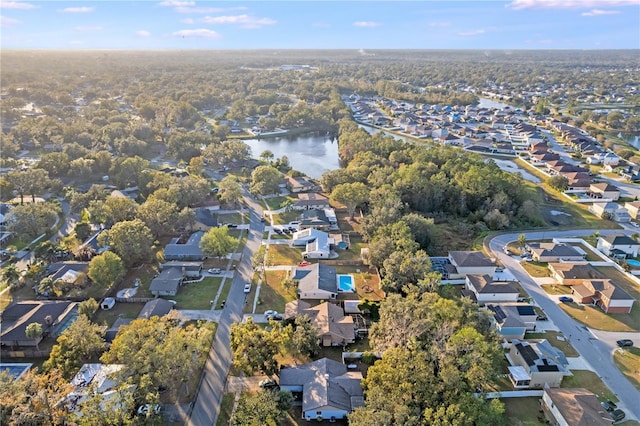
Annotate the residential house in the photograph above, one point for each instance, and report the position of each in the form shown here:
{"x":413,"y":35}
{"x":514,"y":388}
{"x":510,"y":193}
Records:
{"x":633,"y":208}
{"x":316,"y":281}
{"x":51,"y":315}
{"x":299,"y":184}
{"x":618,"y":246}
{"x":574,"y":407}
{"x":329,"y":390}
{"x":314,"y":219}
{"x":541,"y":364}
{"x":512,"y":321}
{"x":604,"y":294}
{"x":604,"y":190}
{"x":101,"y":380}
{"x":303,"y":237}
{"x":188,"y":269}
{"x":320,"y":248}
{"x":610,"y":210}
{"x":311,"y":200}
{"x":334,"y":328}
{"x":470,"y":263}
{"x":606,"y":159}
{"x":572,"y":273}
{"x":167,"y":282}
{"x":70,"y":272}
{"x":155,"y":308}
{"x":482,"y":289}
{"x":204,"y":219}
{"x":554,"y":252}
{"x":190,"y":250}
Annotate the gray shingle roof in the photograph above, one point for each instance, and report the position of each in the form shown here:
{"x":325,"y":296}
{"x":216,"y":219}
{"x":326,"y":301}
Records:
{"x":316,"y":276}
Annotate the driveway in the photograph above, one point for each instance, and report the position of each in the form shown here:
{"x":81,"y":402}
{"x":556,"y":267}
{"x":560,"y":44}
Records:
{"x":596,"y":352}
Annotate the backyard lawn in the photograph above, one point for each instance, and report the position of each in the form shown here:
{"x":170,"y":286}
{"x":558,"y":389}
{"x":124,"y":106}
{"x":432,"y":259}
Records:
{"x":366,"y":281}
{"x":197,"y":295}
{"x":524,"y":411}
{"x":628,"y":362}
{"x":119,"y":310}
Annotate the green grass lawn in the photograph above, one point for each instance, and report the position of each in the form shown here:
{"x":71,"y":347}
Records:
{"x":536,"y":269}
{"x":588,"y":380}
{"x":119,"y":310}
{"x":279,"y":254}
{"x":552,"y":336}
{"x":198,"y":295}
{"x":595,"y":318}
{"x":273,"y":294}
{"x":224,"y":293}
{"x":226,"y":407}
{"x":353,"y":254}
{"x":556,"y":289}
{"x":523,"y":411}
{"x":275,"y":203}
{"x":285,"y":217}
{"x":628,"y":362}
{"x":237,"y":218}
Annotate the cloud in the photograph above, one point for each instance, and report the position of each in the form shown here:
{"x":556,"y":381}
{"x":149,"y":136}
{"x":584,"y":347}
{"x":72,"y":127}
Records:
{"x":17,"y":5}
{"x":366,"y":24}
{"x":244,"y":21}
{"x":143,"y":33}
{"x":203,"y":10}
{"x":471,"y":33}
{"x":568,"y":4}
{"x":88,"y":28}
{"x":599,"y":12}
{"x":8,"y":22}
{"x":439,"y":24}
{"x":82,"y":9}
{"x":176,"y":3}
{"x":199,"y":33}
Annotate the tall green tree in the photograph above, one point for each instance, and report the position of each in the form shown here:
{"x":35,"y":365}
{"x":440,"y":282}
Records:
{"x":265,"y":180}
{"x":34,"y":331}
{"x":106,"y":269}
{"x":33,"y":219}
{"x":217,"y":242}
{"x":131,"y":240}
{"x":351,"y":195}
{"x":254,"y":348}
{"x":80,"y":343}
{"x":263,"y":408}
{"x":230,"y":190}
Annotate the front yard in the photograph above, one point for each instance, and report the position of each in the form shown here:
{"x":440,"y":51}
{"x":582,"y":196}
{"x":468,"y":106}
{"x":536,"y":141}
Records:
{"x":628,"y":362}
{"x":197,"y":295}
{"x":588,"y":380}
{"x":273,"y":294}
{"x":536,"y":269}
{"x":523,"y":411}
{"x":282,"y":254}
{"x":594,"y":317}
{"x":553,"y":338}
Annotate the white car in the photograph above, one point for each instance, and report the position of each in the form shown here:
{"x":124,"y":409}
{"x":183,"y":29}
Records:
{"x":146,"y":409}
{"x":270,"y":313}
{"x":214,"y":271}
{"x":247,"y":288}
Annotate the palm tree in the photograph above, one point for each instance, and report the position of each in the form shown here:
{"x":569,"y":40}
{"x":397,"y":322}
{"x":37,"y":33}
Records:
{"x":11,"y":274}
{"x":34,"y":331}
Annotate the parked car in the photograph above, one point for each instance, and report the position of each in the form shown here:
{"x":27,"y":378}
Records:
{"x":268,"y":384}
{"x":542,"y":318}
{"x":145,"y":409}
{"x":247,"y":288}
{"x":617,"y":415}
{"x":624,"y":343}
{"x":565,"y":299}
{"x":214,"y":271}
{"x":262,"y":219}
{"x":270,"y":313}
{"x":609,"y":405}
{"x":305,"y":263}
{"x":231,"y":225}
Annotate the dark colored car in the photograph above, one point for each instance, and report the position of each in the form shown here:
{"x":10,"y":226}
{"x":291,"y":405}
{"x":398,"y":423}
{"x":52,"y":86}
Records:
{"x":268,"y":384}
{"x":617,"y":415}
{"x":624,"y":343}
{"x":542,"y":318}
{"x":609,"y":405}
{"x":565,"y":299}
{"x":231,"y":225}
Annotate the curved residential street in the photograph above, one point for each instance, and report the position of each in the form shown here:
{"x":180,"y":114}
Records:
{"x":596,"y":347}
{"x":206,"y":406}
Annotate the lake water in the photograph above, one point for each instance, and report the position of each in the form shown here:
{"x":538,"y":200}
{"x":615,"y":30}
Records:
{"x":490,"y":103}
{"x":311,"y":154}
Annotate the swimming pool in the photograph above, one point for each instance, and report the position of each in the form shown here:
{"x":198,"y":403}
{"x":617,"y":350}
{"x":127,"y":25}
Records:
{"x":632,"y":262}
{"x":346,"y":283}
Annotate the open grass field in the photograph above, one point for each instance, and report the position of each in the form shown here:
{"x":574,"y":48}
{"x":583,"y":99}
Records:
{"x":595,"y":318}
{"x":285,"y":217}
{"x":536,"y":269}
{"x":197,"y":295}
{"x":628,"y":362}
{"x":523,"y":411}
{"x":588,"y":380}
{"x":280,"y":254}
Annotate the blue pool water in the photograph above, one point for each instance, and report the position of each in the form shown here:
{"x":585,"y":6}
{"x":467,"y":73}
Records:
{"x":66,"y":324}
{"x":346,"y":284}
{"x":633,"y":263}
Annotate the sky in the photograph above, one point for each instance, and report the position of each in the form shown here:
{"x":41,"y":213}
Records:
{"x":326,"y":24}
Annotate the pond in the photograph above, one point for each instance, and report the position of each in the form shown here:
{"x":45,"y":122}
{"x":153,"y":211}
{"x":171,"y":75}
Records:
{"x":311,"y":154}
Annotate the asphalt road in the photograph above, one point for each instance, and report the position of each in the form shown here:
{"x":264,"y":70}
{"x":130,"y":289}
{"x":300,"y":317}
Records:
{"x":596,"y":347}
{"x":206,"y":406}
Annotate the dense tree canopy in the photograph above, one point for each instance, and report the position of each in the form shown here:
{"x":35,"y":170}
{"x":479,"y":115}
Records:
{"x":131,"y":240}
